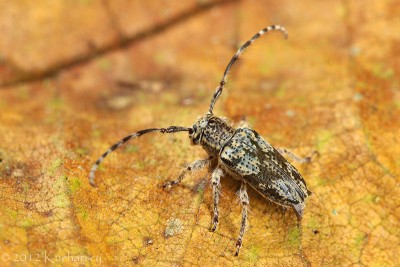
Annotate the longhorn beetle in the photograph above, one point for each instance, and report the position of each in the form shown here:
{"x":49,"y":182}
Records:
{"x":240,"y":153}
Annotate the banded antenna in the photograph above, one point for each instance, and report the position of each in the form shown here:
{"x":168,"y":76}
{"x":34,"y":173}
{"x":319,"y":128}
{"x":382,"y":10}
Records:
{"x":221,"y":85}
{"x":171,"y":129}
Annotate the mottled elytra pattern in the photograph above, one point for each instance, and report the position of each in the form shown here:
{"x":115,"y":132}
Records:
{"x":240,"y":153}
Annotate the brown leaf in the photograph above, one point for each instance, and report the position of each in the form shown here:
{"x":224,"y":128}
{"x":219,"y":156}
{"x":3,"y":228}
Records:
{"x":332,"y":87}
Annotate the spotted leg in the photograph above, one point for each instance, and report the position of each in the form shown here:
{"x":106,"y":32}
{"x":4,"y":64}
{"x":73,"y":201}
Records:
{"x":216,"y":186}
{"x":295,"y":157}
{"x":244,"y":200}
{"x":196,"y":165}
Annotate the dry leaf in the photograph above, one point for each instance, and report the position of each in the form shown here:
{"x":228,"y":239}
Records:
{"x":333,"y":87}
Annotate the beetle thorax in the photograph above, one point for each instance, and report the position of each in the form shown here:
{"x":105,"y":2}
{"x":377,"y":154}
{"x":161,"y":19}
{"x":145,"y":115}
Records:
{"x":211,"y":133}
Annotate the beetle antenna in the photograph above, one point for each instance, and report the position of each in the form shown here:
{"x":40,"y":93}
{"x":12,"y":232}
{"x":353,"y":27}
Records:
{"x":221,"y":85}
{"x":171,"y":129}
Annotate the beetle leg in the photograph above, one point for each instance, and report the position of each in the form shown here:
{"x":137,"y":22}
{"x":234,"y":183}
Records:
{"x":295,"y":157}
{"x":299,"y":209}
{"x":196,"y":165}
{"x":216,"y":186}
{"x":244,"y":200}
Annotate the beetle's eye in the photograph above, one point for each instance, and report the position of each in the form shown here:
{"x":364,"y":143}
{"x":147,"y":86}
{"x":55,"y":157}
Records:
{"x":194,"y":128}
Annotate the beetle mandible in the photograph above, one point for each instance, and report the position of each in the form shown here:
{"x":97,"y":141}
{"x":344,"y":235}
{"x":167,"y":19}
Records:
{"x":238,"y":152}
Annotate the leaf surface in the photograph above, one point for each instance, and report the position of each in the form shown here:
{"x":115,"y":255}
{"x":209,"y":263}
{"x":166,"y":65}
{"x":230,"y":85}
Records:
{"x":74,"y":83}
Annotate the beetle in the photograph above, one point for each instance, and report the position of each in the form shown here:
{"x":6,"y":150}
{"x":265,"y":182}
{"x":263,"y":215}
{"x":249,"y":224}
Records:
{"x":240,"y":153}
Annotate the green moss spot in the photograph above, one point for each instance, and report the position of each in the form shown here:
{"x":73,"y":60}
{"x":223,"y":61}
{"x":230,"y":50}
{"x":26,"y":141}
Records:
{"x":23,"y":93}
{"x":131,"y":148}
{"x":266,"y":67}
{"x":96,"y":133}
{"x":74,"y":184}
{"x":47,"y":84}
{"x":200,"y":188}
{"x":200,"y":196}
{"x":81,"y":151}
{"x":251,"y":120}
{"x":174,"y":227}
{"x":12,"y":213}
{"x":253,"y":254}
{"x":105,"y":64}
{"x":82,"y":212}
{"x":313,"y":224}
{"x":112,"y":240}
{"x":323,"y":138}
{"x":54,"y":166}
{"x":25,"y":186}
{"x":161,"y":58}
{"x":26,"y":223}
{"x":359,"y":240}
{"x":301,"y":100}
{"x":61,"y":201}
{"x":198,"y":201}
{"x":397,"y":104}
{"x":294,"y":236}
{"x":281,"y":92}
{"x":321,"y":181}
{"x":56,"y":103}
{"x":383,"y":72}
{"x":138,"y":165}
{"x":60,"y":182}
{"x":357,"y":97}
{"x":85,"y":2}
{"x":370,"y":198}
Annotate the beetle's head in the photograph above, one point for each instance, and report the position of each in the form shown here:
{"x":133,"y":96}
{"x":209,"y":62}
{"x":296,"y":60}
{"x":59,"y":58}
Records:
{"x":196,"y":132}
{"x":211,"y":133}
